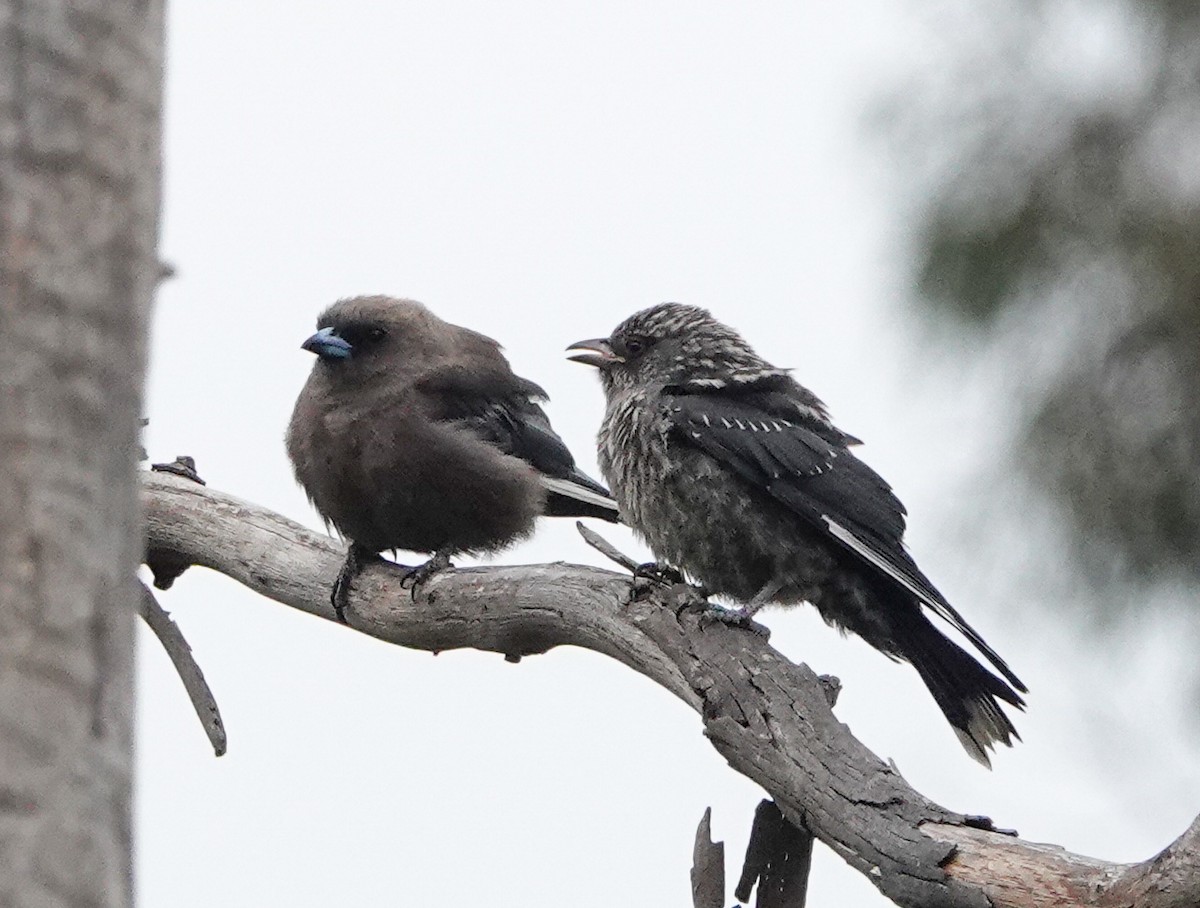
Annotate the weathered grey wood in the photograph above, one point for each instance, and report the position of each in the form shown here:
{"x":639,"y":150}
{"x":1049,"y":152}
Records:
{"x":80,"y":89}
{"x":179,"y":651}
{"x":504,"y":610}
{"x":769,"y":717}
{"x":708,"y":866}
{"x":1019,"y":874}
{"x":779,"y":853}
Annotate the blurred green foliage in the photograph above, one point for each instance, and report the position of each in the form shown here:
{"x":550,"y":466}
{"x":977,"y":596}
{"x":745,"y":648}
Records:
{"x":1067,"y":199}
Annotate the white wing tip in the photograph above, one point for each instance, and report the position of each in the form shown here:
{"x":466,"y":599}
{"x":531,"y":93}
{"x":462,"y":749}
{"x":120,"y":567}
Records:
{"x":579,"y":493}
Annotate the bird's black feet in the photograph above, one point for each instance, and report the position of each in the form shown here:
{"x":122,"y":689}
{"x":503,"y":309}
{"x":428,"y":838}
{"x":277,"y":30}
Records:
{"x":734,"y":617}
{"x":414,"y":577}
{"x":339,"y":598}
{"x":681,"y":593}
{"x":659,"y":573}
{"x":744,"y":616}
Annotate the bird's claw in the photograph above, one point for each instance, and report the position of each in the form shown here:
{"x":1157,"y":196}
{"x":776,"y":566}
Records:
{"x":659,"y":573}
{"x":664,"y":575}
{"x":339,"y":596}
{"x":734,"y":617}
{"x":416,"y":576}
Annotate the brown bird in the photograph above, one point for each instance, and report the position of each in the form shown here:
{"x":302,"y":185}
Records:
{"x":412,"y":433}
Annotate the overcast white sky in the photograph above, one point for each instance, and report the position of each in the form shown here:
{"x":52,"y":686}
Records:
{"x":538,"y":171}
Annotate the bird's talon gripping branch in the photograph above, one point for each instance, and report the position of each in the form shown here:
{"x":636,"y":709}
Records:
{"x":659,"y":573}
{"x":416,"y":576}
{"x":339,"y":596}
{"x":681,"y":593}
{"x":733,"y":617}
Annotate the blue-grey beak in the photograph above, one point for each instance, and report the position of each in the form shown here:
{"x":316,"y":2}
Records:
{"x":327,"y":345}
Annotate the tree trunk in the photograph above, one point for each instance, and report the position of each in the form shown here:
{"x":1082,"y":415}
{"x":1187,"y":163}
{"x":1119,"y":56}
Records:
{"x":80,"y":99}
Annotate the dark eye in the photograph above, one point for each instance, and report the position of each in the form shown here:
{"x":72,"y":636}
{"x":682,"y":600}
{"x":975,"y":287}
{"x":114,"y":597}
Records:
{"x":361,"y":335}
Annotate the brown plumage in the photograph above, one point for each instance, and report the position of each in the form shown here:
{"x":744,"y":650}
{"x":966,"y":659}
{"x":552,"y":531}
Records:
{"x":415,"y":434}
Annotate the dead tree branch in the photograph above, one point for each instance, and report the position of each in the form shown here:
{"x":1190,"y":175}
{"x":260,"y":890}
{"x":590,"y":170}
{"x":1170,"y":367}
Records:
{"x":767,"y":716}
{"x":708,"y":866}
{"x":180,"y":654}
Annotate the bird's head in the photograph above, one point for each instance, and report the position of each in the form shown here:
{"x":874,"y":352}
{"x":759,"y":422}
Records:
{"x":667,"y":344}
{"x":360,"y":336}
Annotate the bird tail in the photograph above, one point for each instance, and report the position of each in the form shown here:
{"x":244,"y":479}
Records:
{"x":577,"y":495}
{"x":966,"y":692}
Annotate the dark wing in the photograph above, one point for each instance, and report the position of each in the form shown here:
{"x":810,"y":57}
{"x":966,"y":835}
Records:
{"x":777,"y":444}
{"x":502,"y":408}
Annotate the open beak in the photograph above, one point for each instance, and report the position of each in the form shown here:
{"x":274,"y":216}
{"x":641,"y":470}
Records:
{"x":595,"y":352}
{"x":328,"y":345}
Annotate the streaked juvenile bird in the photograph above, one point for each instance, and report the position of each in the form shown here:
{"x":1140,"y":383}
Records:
{"x":732,"y":471}
{"x":414,"y":434}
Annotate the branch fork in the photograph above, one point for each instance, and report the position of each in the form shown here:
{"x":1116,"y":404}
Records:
{"x":770,"y":718}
